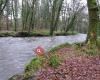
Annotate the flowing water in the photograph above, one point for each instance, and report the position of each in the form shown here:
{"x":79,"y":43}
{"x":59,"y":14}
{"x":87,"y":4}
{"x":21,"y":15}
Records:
{"x":15,"y":53}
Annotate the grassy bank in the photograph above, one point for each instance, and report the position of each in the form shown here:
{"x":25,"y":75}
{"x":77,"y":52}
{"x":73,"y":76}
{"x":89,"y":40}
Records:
{"x":55,"y":60}
{"x":34,"y":33}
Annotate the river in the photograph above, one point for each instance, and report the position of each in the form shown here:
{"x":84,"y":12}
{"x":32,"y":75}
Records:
{"x":16,"y":52}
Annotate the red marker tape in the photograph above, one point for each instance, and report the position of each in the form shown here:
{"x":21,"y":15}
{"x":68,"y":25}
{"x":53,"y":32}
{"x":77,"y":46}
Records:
{"x":39,"y":51}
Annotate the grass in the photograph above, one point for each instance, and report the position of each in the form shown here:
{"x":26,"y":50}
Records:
{"x":54,"y":61}
{"x":33,"y":66}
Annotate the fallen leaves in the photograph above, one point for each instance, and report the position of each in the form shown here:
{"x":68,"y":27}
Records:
{"x":79,"y":68}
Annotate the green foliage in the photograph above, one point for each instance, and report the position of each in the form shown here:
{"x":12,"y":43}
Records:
{"x":33,"y":66}
{"x":7,"y":33}
{"x":54,"y":61}
{"x":34,"y":33}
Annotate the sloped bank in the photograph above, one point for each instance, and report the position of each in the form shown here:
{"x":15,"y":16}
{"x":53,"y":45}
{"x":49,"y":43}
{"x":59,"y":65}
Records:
{"x":66,"y":62}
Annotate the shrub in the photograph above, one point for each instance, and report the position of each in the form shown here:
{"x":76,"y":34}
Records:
{"x":54,"y":61}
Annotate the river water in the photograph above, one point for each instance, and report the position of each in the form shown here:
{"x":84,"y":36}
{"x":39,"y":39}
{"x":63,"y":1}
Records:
{"x":15,"y":53}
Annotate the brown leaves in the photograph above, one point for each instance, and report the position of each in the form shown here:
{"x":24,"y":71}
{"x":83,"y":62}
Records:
{"x":80,"y":68}
{"x":72,"y":66}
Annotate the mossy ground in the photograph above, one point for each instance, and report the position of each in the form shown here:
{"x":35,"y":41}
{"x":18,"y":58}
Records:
{"x":41,"y":33}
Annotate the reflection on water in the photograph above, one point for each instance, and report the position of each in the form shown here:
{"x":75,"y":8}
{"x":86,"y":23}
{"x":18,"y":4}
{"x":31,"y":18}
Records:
{"x":16,"y":52}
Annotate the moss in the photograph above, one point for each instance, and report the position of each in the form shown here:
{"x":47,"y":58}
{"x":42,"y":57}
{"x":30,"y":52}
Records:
{"x":7,"y":33}
{"x":65,"y":34}
{"x":33,"y":66}
{"x":34,"y":33}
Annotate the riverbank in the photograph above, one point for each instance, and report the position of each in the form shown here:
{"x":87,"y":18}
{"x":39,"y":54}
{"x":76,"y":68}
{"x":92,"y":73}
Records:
{"x":67,"y":62}
{"x":34,"y":33}
{"x":16,"y":52}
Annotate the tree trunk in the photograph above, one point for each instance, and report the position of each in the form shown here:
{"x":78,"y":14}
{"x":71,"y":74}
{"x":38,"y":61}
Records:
{"x":2,"y":6}
{"x":93,"y":21}
{"x":7,"y":15}
{"x":53,"y":17}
